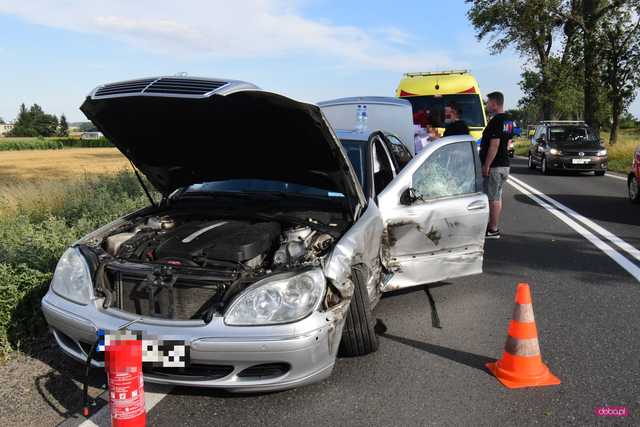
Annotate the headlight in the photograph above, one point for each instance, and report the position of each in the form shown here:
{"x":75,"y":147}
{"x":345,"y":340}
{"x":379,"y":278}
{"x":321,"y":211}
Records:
{"x":282,"y":298}
{"x":72,"y":279}
{"x":555,"y":151}
{"x":602,"y":153}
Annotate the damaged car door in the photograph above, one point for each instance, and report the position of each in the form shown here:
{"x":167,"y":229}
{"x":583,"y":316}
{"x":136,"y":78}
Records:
{"x":435,"y":216}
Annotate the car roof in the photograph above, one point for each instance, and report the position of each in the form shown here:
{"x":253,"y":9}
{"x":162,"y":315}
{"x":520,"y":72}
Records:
{"x":380,"y":100}
{"x":354,"y":135}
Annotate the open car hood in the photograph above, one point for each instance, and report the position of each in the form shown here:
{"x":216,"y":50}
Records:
{"x":177,"y":137}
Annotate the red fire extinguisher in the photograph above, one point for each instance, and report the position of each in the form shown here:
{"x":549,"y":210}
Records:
{"x":123,"y":363}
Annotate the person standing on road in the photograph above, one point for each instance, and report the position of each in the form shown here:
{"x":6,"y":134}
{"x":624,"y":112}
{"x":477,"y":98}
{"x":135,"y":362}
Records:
{"x":494,"y":157}
{"x":454,"y":125}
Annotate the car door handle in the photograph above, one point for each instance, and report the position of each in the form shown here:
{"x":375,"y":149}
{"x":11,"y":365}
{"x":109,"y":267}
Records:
{"x":476,"y":206}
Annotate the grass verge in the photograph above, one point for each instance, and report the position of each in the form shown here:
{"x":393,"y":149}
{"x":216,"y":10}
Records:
{"x":34,"y":231}
{"x":19,"y":144}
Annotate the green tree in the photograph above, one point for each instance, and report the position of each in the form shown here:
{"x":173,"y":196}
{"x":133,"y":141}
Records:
{"x":2,"y":122}
{"x":529,"y":27}
{"x":34,"y":122}
{"x":629,"y":121}
{"x":23,"y":124}
{"x":565,"y":94}
{"x":584,"y":17}
{"x":620,"y":41}
{"x":63,"y":128}
{"x":87,"y":127}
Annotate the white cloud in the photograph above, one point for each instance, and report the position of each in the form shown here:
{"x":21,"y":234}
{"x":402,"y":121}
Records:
{"x":231,"y":29}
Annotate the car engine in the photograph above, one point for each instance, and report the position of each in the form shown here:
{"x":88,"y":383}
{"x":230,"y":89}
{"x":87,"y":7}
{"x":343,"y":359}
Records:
{"x":190,"y":268}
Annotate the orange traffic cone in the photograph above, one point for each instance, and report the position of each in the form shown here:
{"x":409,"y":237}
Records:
{"x":521,"y":364}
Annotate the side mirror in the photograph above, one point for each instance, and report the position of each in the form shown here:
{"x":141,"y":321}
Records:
{"x":410,"y":196}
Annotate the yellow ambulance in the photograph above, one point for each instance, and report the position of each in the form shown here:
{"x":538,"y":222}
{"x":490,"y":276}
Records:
{"x":430,"y":92}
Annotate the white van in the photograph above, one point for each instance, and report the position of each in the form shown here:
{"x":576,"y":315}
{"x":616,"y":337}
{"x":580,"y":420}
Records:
{"x":383,"y":113}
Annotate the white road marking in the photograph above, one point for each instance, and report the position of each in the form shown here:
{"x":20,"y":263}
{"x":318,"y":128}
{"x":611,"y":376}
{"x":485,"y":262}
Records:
{"x":610,"y":175}
{"x":153,"y":394}
{"x":630,"y":267}
{"x":586,"y":221}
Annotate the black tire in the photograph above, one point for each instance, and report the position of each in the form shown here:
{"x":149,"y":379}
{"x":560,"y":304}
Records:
{"x":358,"y":336}
{"x":599,"y":173}
{"x":544,"y":168}
{"x":531,"y":164}
{"x":634,"y":190}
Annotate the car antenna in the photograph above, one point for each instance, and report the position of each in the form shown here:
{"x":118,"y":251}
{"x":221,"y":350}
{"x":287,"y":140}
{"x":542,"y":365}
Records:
{"x":144,"y":187}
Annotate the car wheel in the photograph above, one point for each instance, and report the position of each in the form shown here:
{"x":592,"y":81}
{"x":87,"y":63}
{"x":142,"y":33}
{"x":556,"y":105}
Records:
{"x":599,"y":173}
{"x":358,"y":336}
{"x":634,"y":191}
{"x":531,"y":164}
{"x":544,"y":168}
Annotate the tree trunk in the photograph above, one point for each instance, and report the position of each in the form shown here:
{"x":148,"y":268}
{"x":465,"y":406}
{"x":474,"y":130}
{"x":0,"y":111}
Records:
{"x":545,"y":88}
{"x":591,"y":98}
{"x":616,"y":108}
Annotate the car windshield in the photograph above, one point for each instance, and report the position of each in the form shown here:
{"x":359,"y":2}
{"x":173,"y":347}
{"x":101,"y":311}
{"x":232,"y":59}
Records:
{"x":572,"y":135}
{"x":257,"y":186}
{"x":432,"y":109}
{"x":355,"y":152}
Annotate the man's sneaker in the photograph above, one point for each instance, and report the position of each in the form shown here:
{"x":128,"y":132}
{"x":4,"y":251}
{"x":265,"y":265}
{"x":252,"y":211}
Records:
{"x":492,"y":234}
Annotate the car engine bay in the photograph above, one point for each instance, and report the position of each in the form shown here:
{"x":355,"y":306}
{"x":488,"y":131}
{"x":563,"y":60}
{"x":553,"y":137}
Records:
{"x":186,"y":266}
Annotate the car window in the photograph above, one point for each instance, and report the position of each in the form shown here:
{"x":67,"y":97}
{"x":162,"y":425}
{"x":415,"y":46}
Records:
{"x":259,"y":186}
{"x":382,"y":169}
{"x":399,"y":152}
{"x":449,"y":171}
{"x":538,"y":134}
{"x":571,"y":134}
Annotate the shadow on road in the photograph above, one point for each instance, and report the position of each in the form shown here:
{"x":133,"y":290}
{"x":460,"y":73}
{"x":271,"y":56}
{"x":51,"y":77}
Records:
{"x":472,"y":360}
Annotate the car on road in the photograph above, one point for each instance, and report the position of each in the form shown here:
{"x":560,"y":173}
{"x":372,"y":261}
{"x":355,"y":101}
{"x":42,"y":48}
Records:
{"x":567,"y":146}
{"x":633,"y":179}
{"x":271,"y":243}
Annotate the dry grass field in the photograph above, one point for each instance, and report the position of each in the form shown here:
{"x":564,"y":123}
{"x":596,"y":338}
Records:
{"x":48,"y":165}
{"x":40,"y":176}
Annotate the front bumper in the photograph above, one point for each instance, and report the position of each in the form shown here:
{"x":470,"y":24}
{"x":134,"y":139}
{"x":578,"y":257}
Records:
{"x":592,"y":163}
{"x":307,"y":348}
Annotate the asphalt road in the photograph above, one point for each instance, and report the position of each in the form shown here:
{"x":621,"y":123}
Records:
{"x":587,"y":308}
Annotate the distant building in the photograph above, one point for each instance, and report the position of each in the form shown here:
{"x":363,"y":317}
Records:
{"x":5,"y":129}
{"x":92,"y":135}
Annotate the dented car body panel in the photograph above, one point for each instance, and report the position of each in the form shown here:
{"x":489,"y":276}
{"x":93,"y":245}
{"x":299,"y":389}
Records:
{"x":440,"y":236}
{"x":190,"y":268}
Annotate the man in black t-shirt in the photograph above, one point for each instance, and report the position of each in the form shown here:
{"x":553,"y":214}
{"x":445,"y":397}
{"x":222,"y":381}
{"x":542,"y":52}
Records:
{"x":454,"y":125}
{"x":494,"y":157}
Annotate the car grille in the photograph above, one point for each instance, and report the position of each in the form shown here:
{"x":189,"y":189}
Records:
{"x":131,"y":86}
{"x":186,"y":299}
{"x":193,"y":372}
{"x":585,"y":153}
{"x":569,"y":165}
{"x":161,"y":86}
{"x":265,"y":371}
{"x":181,"y":86}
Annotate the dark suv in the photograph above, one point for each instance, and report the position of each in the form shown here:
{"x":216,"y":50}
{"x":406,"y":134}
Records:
{"x":568,"y":146}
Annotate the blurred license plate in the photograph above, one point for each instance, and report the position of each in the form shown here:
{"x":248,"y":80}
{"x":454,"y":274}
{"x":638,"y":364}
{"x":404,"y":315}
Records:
{"x":580,"y":161}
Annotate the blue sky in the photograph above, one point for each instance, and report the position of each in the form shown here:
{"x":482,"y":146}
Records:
{"x":54,"y":52}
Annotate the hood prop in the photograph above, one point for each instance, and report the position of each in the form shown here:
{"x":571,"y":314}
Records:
{"x":144,"y":187}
